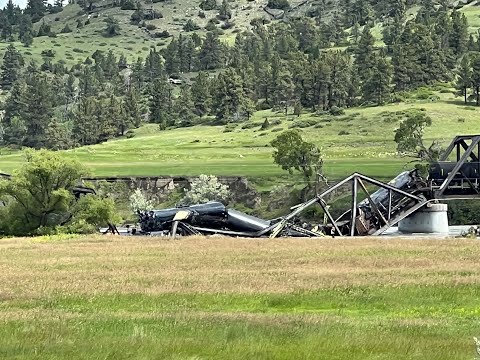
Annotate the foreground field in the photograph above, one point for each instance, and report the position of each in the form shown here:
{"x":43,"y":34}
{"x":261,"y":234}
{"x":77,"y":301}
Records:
{"x":144,"y":298}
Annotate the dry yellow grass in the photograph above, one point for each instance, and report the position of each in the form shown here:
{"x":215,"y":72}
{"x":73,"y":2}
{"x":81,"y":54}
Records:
{"x":123,"y":265}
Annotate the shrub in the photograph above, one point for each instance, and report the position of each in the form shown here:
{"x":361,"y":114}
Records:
{"x":227,"y":25}
{"x":138,"y":202}
{"x":206,"y":188}
{"x":48,"y":53}
{"x":162,"y":35}
{"x":190,"y":26}
{"x":343,"y":132}
{"x":278,"y":4}
{"x":66,"y":29}
{"x":300,"y":124}
{"x":336,"y":111}
{"x":207,"y":5}
{"x":39,"y":198}
{"x":151,"y":27}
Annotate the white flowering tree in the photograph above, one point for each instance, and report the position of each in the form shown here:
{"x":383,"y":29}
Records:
{"x":138,"y":201}
{"x":206,"y":188}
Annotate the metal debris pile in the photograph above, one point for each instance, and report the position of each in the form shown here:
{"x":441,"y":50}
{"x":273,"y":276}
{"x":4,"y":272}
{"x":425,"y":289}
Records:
{"x":215,"y":218}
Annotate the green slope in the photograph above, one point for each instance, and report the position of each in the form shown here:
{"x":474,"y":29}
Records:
{"x":366,"y":147}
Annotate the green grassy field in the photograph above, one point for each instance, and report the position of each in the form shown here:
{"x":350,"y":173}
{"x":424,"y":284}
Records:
{"x":366,"y":145}
{"x":198,"y":298}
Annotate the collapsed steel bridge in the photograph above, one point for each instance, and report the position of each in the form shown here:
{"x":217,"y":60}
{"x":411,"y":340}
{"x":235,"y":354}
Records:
{"x":455,"y":176}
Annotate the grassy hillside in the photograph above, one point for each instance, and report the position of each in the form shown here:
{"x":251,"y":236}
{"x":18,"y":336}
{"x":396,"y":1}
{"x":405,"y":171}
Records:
{"x":134,"y":41}
{"x":361,"y":140}
{"x":124,"y":298}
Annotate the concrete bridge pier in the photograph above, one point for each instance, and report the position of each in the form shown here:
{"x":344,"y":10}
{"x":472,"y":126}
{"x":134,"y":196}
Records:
{"x":431,"y":219}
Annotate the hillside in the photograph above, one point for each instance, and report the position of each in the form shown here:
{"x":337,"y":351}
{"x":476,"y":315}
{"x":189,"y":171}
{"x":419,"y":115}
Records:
{"x":361,"y":140}
{"x":134,"y":41}
{"x":353,"y":85}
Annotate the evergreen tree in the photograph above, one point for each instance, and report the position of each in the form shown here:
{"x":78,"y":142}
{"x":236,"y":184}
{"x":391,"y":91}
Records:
{"x":172,"y":64}
{"x":364,"y":53}
{"x":201,"y":94}
{"x":87,"y":83}
{"x":464,"y":78}
{"x":153,"y":68}
{"x":159,"y":104}
{"x":131,"y":112}
{"x":110,"y":116}
{"x":58,"y":135}
{"x":376,"y":88}
{"x":137,"y":75}
{"x":229,"y":95}
{"x":211,"y":54}
{"x":13,"y":124}
{"x":39,"y":107}
{"x":459,"y":34}
{"x":36,"y":9}
{"x":184,"y":107}
{"x":476,"y":78}
{"x":11,"y":67}
{"x":224,"y":12}
{"x":85,"y":124}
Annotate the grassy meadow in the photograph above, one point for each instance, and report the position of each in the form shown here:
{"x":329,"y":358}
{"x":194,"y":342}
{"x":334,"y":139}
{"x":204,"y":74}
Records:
{"x":221,"y":298}
{"x":361,"y":140}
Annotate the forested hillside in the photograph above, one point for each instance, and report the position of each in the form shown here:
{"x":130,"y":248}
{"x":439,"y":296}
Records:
{"x":91,"y":71}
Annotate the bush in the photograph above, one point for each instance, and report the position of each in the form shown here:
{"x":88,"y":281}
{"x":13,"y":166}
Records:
{"x":150,"y":27}
{"x":336,"y":111}
{"x":39,"y":198}
{"x":278,"y":4}
{"x":190,"y":26}
{"x":138,"y":202}
{"x":343,"y":132}
{"x":206,"y":188}
{"x":207,"y":5}
{"x":227,"y":25}
{"x":300,"y":124}
{"x":66,"y":29}
{"x":48,"y":53}
{"x":210,"y":26}
{"x":162,"y":35}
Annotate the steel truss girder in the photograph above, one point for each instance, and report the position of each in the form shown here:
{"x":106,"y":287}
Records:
{"x":356,"y":179}
{"x":461,"y":160}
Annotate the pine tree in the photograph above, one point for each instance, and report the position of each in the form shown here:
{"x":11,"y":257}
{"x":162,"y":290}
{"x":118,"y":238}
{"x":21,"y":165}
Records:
{"x":364,"y":53}
{"x":459,"y":34}
{"x":401,"y":68}
{"x":184,"y":107}
{"x":85,"y":124}
{"x":376,"y":88}
{"x":87,"y":83}
{"x":39,"y":107}
{"x":153,"y":68}
{"x":11,"y":66}
{"x":201,"y":94}
{"x":58,"y":135}
{"x":109,"y":118}
{"x":172,"y":64}
{"x":159,"y":103}
{"x":476,"y":78}
{"x":137,"y":75}
{"x":110,"y":67}
{"x":229,"y":95}
{"x":464,"y":78}
{"x":131,"y":112}
{"x":13,"y":125}
{"x":224,"y":12}
{"x":36,"y":9}
{"x":211,"y":54}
